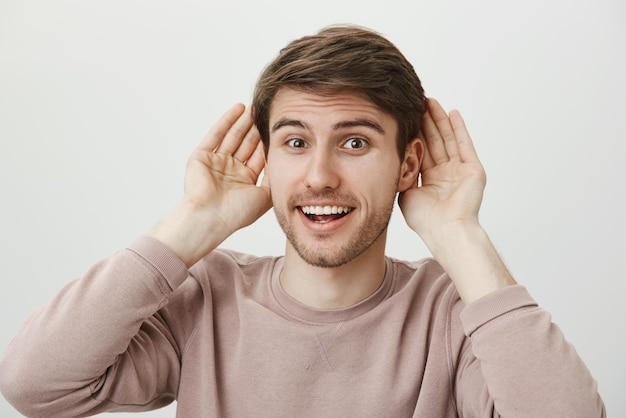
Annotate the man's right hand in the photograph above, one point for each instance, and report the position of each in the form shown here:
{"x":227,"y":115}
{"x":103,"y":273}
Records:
{"x":221,"y":191}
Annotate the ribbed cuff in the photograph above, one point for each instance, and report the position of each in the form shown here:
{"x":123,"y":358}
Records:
{"x":171,"y":267}
{"x":494,"y":305}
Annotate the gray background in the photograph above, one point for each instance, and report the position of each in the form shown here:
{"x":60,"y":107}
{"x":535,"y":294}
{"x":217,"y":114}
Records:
{"x":101,"y":102}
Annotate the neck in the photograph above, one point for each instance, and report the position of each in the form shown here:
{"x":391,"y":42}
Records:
{"x":336,"y":287}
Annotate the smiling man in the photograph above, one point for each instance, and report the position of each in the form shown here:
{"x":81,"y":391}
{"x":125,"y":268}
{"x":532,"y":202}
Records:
{"x":334,"y":328}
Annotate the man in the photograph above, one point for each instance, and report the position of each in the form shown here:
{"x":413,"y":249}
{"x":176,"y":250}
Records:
{"x":340,"y":125}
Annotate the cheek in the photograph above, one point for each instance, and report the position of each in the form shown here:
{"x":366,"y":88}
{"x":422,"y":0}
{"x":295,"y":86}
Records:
{"x":278,"y":181}
{"x":381,"y":175}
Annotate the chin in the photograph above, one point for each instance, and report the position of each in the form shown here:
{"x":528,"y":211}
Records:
{"x":329,"y":258}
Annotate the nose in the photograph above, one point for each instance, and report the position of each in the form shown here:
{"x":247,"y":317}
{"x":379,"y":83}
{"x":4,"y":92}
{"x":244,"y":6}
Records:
{"x":321,"y":171}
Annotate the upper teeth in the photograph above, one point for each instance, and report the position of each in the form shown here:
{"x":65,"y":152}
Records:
{"x":325,"y":210}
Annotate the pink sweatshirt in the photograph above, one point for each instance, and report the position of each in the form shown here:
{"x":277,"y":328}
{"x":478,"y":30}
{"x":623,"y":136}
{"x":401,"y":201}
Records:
{"x":224,"y":340}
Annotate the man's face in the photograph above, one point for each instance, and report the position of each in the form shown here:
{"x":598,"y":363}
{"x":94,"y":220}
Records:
{"x":333,"y":169}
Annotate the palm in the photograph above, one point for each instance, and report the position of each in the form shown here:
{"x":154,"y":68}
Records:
{"x":222,"y":172}
{"x":453,"y":179}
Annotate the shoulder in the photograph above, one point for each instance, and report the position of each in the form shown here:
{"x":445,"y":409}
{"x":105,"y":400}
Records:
{"x":224,"y":273}
{"x":222,"y":270}
{"x":428,"y":288}
{"x":225,"y":261}
{"x":423,"y":265}
{"x":423,"y":275}
{"x":220,"y":278}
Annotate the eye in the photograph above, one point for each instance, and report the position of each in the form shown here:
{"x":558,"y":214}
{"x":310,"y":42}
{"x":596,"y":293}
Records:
{"x":296,"y":143}
{"x":355,"y":143}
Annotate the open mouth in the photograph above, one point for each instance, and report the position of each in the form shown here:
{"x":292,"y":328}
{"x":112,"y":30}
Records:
{"x":325,"y":213}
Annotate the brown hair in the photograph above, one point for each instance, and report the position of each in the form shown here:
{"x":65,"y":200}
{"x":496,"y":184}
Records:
{"x":345,"y":59}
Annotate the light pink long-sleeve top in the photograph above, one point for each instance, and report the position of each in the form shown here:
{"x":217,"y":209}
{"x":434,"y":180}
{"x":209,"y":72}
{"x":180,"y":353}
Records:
{"x":224,"y":340}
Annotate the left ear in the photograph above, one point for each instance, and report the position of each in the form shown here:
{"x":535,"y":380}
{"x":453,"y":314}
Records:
{"x":411,"y":163}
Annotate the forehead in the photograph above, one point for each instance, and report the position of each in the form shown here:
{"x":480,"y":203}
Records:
{"x":290,"y":103}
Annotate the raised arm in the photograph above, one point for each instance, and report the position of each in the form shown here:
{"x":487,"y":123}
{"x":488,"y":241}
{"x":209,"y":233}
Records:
{"x":104,"y":342}
{"x":221,"y":192}
{"x":443,"y":210}
{"x":520,"y":363}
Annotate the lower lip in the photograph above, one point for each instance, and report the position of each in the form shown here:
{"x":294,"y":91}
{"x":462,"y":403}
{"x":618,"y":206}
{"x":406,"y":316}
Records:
{"x":325,"y":227}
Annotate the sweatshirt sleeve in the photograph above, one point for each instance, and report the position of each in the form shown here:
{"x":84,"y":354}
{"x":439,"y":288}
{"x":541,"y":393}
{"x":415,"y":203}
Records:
{"x":100,"y":344}
{"x":520,"y":364}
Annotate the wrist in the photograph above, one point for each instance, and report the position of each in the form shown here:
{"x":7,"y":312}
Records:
{"x":466,"y":253}
{"x":444,"y":238}
{"x":190,"y":232}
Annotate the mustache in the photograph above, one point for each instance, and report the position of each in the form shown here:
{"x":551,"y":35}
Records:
{"x":332,"y":195}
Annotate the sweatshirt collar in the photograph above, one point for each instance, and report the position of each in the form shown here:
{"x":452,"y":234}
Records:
{"x":302,"y":313}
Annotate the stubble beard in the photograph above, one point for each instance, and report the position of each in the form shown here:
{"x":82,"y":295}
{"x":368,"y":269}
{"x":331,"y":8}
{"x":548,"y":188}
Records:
{"x":329,"y":257}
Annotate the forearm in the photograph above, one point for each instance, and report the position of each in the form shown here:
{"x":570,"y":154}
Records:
{"x":466,"y":253}
{"x":527,"y":366}
{"x":61,"y":360}
{"x":191,"y":232}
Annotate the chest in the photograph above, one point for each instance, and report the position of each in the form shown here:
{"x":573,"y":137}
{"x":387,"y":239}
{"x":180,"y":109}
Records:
{"x":363,"y":367}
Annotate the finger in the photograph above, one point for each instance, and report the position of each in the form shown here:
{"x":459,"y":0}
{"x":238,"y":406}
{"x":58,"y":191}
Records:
{"x":444,"y":128}
{"x":256,"y":162}
{"x":465,"y":145}
{"x":265,"y":181}
{"x":434,"y":142}
{"x":248,"y":145}
{"x":235,"y":135}
{"x":216,"y":134}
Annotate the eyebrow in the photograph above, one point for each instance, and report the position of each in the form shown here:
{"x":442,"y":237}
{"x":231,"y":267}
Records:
{"x":281,"y":123}
{"x":367,"y":123}
{"x":339,"y":125}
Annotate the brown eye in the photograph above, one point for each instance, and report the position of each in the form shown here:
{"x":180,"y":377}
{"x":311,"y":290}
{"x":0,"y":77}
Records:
{"x":296,"y":143}
{"x":355,"y":143}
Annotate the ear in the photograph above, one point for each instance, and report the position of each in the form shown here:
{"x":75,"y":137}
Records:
{"x":411,"y":163}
